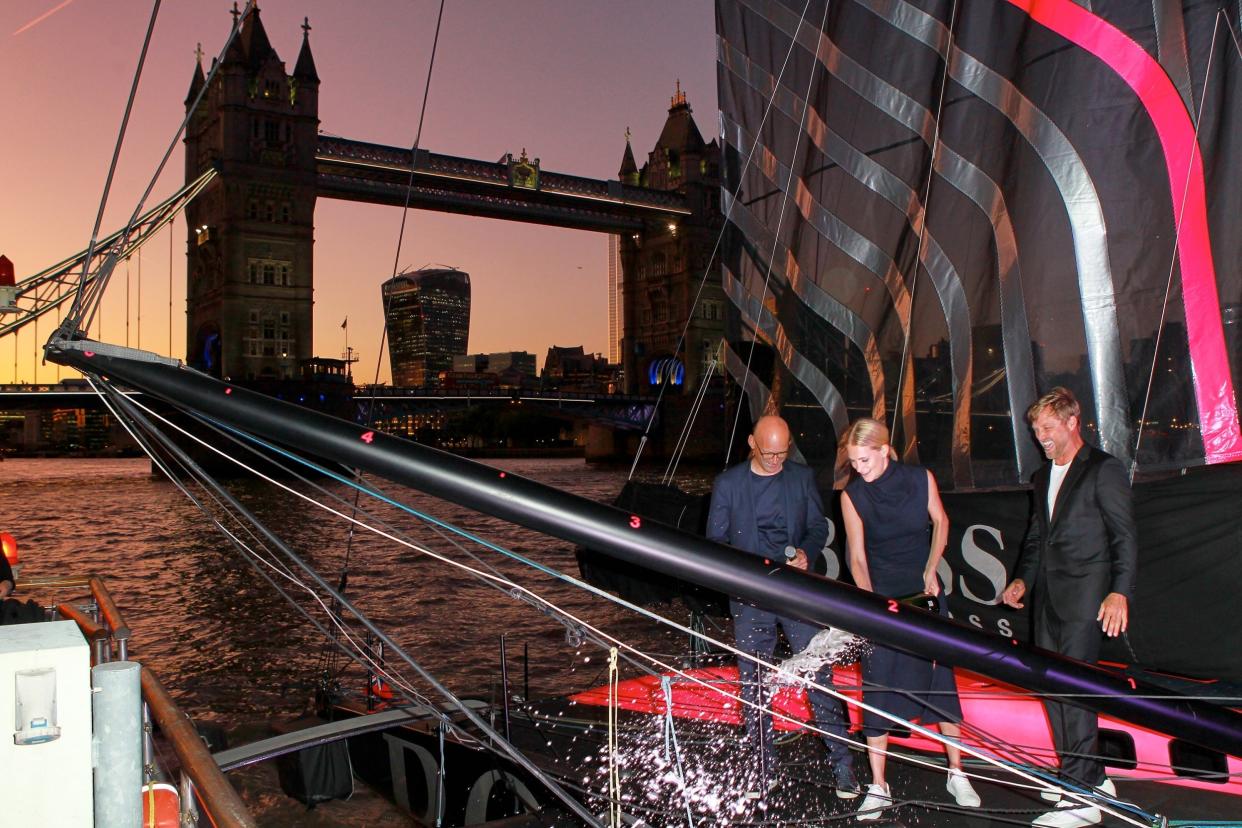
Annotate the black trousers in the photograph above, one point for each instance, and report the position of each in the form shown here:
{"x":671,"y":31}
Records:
{"x":755,"y":633}
{"x":1075,"y":730}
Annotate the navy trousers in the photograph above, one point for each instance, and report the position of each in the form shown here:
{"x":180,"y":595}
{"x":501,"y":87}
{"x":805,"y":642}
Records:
{"x":755,"y":633}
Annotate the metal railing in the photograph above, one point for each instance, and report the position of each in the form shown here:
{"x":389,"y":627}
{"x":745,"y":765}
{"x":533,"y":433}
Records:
{"x":202,"y":782}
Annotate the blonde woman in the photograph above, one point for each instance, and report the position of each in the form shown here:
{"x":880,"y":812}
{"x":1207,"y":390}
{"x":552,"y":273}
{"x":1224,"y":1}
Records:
{"x":888,"y":507}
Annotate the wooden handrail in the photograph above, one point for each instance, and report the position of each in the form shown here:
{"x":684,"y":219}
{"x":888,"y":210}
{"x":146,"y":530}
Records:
{"x":89,"y":628}
{"x":215,"y":795}
{"x":223,"y":804}
{"x":109,"y":610}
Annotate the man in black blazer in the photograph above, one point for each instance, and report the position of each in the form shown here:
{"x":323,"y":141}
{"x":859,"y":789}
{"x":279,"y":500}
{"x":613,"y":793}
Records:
{"x":1078,"y":562}
{"x":764,"y":506}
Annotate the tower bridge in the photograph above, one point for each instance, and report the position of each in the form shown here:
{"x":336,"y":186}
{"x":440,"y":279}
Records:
{"x":511,"y":188}
{"x":250,"y":232}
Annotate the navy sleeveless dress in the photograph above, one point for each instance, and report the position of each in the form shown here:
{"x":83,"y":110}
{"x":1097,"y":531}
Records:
{"x":897,"y":537}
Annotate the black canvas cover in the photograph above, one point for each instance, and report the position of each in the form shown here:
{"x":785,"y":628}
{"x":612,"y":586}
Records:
{"x":317,"y":774}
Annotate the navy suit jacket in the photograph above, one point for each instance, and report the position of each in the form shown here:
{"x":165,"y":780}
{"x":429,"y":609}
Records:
{"x":1088,"y":546}
{"x":731,"y":519}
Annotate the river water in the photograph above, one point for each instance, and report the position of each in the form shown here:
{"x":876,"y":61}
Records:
{"x":233,"y":652}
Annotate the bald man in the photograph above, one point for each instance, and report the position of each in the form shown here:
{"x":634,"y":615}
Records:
{"x":763,"y":506}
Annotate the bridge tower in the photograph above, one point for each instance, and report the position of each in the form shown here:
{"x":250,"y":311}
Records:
{"x":249,"y":288}
{"x":663,"y":264}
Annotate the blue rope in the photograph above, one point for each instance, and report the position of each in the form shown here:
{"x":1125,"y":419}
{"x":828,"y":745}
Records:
{"x":670,"y":738}
{"x":547,"y":570}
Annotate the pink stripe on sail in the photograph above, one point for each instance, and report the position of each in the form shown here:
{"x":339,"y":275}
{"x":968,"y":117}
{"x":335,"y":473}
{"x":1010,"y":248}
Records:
{"x":1218,"y":414}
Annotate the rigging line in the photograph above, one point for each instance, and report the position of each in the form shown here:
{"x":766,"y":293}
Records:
{"x":683,"y":439}
{"x":94,"y":296}
{"x":719,"y":238}
{"x":131,"y":415}
{"x":405,"y":207}
{"x":932,"y":735}
{"x":170,"y":283}
{"x":288,"y":574}
{"x":405,"y":210}
{"x":514,"y":754}
{"x":680,"y":450}
{"x":1237,"y":46}
{"x":138,"y":307}
{"x":1002,"y":764}
{"x":497,"y":579}
{"x":120,"y":140}
{"x":923,"y":231}
{"x":780,"y":219}
{"x":1177,"y":232}
{"x":233,"y":436}
{"x":363,"y":657}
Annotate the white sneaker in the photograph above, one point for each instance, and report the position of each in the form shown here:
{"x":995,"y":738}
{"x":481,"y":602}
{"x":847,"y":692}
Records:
{"x":962,"y":790}
{"x":1070,"y":815}
{"x":1054,"y":795}
{"x":874,"y":803}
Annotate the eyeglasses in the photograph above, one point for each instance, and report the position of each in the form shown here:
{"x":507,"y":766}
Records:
{"x":773,"y":455}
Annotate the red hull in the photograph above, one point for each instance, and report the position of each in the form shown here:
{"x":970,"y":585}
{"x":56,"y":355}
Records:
{"x":1010,"y":716}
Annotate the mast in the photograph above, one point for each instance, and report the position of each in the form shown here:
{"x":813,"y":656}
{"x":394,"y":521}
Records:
{"x":670,"y":551}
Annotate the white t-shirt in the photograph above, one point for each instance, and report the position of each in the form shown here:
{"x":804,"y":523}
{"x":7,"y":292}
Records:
{"x":1054,"y":485}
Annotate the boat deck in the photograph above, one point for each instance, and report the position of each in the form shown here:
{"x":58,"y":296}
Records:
{"x":571,"y":740}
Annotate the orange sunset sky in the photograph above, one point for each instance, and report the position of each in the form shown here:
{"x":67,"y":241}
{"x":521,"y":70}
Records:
{"x":560,"y":78}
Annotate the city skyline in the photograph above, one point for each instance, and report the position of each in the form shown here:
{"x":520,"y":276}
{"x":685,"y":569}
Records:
{"x":559,"y":81}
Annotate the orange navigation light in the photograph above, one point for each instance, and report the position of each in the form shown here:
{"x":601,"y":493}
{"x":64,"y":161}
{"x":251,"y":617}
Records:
{"x":9,"y":544}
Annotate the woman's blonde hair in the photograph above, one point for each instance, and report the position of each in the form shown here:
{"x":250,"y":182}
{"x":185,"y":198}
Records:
{"x":867,"y":432}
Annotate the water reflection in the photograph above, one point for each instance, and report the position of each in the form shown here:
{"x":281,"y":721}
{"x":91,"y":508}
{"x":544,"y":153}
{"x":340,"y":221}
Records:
{"x":230,"y":648}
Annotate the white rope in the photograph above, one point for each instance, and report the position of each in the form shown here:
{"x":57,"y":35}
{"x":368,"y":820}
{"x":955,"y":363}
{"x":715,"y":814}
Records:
{"x":1035,"y":781}
{"x":780,"y":218}
{"x":923,"y":231}
{"x":614,"y":770}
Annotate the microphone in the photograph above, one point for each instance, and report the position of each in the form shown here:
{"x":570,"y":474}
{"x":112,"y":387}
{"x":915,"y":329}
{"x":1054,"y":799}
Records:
{"x":791,"y":552}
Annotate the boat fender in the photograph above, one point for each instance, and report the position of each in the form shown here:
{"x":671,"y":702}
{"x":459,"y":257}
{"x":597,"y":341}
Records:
{"x":481,"y":793}
{"x":161,"y":806}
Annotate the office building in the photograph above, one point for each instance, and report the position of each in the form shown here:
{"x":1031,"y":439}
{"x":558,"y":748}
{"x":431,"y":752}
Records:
{"x":428,"y":317}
